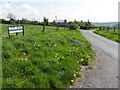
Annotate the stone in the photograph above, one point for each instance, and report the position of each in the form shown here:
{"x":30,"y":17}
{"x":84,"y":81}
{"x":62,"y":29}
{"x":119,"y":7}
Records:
{"x":76,"y":41}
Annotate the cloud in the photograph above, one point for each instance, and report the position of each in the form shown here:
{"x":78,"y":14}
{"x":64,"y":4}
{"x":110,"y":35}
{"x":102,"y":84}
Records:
{"x":28,"y":12}
{"x":21,"y":11}
{"x":95,"y":10}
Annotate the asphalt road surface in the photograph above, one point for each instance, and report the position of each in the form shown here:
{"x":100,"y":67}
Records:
{"x":105,"y":72}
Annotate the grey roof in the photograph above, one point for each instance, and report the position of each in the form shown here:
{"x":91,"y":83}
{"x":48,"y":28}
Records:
{"x":61,"y":21}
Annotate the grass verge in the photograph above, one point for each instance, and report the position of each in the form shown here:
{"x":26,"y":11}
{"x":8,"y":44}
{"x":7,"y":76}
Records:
{"x":111,"y":34}
{"x":43,"y":59}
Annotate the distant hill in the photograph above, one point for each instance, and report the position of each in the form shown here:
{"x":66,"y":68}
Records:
{"x":110,"y":24}
{"x":116,"y":25}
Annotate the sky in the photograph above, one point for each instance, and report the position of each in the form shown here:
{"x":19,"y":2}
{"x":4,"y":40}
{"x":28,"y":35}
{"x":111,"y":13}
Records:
{"x":94,"y":10}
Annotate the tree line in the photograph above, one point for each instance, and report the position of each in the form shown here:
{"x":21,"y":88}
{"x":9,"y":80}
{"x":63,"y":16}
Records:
{"x":72,"y":25}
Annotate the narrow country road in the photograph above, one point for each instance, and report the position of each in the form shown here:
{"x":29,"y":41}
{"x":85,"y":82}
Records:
{"x":105,"y":72}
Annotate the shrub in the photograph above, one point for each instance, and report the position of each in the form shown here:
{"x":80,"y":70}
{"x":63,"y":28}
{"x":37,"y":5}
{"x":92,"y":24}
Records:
{"x":73,"y":26}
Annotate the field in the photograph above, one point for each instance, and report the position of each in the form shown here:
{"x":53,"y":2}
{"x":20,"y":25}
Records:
{"x":43,"y":59}
{"x":111,"y":34}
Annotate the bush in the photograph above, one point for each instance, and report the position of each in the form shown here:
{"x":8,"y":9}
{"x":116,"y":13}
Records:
{"x":73,"y":26}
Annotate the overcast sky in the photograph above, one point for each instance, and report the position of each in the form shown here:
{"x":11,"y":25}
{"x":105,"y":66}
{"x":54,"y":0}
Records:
{"x":95,"y":10}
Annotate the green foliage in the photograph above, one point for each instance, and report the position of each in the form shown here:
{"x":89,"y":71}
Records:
{"x":43,"y":60}
{"x":110,"y":34}
{"x":45,"y":20}
{"x":73,"y":26}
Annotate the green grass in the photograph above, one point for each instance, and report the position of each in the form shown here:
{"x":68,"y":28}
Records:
{"x":43,"y":59}
{"x":111,"y":34}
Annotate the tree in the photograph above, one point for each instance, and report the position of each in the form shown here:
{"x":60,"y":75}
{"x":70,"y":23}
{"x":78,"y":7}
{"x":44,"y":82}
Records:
{"x":73,"y":26}
{"x":25,"y":21}
{"x":11,"y":17}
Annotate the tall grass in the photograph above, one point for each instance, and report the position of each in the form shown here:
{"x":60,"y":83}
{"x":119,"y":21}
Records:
{"x":43,"y":59}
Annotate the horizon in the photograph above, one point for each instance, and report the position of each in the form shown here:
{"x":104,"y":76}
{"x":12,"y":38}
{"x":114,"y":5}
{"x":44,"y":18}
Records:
{"x":67,"y":9}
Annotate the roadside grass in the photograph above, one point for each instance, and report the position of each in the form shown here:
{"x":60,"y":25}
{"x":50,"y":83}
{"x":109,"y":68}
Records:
{"x":111,"y":34}
{"x":43,"y":59}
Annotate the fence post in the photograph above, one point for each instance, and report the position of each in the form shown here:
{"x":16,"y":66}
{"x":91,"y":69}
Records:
{"x":114,"y":29}
{"x":58,"y":25}
{"x":8,"y":33}
{"x":108,"y":28}
{"x":23,"y":30}
{"x":100,"y":28}
{"x":17,"y":34}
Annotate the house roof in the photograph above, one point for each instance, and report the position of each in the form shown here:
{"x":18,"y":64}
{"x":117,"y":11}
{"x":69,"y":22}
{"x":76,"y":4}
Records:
{"x":61,"y":21}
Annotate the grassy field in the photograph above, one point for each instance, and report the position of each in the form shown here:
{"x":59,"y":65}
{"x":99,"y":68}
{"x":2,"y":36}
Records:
{"x":43,"y":59}
{"x":111,"y":34}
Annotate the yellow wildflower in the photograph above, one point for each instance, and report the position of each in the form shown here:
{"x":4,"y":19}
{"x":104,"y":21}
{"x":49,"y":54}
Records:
{"x":82,"y":60}
{"x":72,"y":81}
{"x":62,"y":57}
{"x":38,"y":45}
{"x":74,"y":75}
{"x":26,"y":59}
{"x":55,"y":56}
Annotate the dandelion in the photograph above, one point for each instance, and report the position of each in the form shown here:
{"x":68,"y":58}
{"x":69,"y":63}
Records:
{"x":38,"y":45}
{"x":72,"y":81}
{"x":79,"y":73}
{"x":36,"y":49}
{"x":21,"y":59}
{"x":62,"y":57}
{"x":55,"y":45}
{"x":55,"y":56}
{"x":26,"y":59}
{"x":88,"y":56}
{"x":74,"y":75}
{"x":76,"y":48}
{"x":24,"y":53}
{"x":58,"y":58}
{"x":82,"y":60}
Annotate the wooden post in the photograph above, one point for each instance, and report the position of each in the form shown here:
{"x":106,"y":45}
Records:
{"x":17,"y":22}
{"x":58,"y":25}
{"x":44,"y":19}
{"x":8,"y":36}
{"x":114,"y":29}
{"x":44,"y":27}
{"x":8,"y":33}
{"x":23,"y":30}
{"x":100,"y":28}
{"x":17,"y":34}
{"x":65,"y":22}
{"x":108,"y":28}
